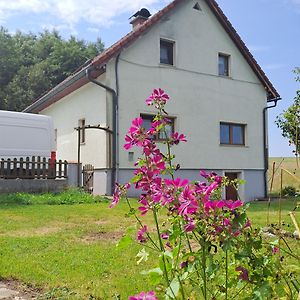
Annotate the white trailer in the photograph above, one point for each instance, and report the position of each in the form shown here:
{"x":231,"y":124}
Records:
{"x":26,"y":135}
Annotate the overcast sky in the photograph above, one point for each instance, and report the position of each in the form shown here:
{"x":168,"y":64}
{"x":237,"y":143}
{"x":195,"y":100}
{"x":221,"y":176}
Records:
{"x":270,"y":29}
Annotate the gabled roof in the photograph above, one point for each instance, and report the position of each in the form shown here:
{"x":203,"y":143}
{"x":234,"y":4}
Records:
{"x":79,"y":79}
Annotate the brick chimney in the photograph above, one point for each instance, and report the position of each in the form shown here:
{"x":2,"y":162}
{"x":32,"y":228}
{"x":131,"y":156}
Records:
{"x":139,"y":17}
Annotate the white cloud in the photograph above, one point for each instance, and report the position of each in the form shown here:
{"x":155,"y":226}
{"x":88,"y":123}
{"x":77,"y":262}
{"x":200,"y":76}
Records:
{"x":70,"y":12}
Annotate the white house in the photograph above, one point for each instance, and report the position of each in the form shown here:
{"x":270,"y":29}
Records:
{"x":219,"y":98}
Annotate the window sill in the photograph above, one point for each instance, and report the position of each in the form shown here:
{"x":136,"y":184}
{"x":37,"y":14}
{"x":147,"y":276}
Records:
{"x":166,"y":66}
{"x":234,"y":145}
{"x":224,"y":76}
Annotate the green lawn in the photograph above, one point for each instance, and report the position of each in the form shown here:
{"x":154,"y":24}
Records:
{"x":70,"y":250}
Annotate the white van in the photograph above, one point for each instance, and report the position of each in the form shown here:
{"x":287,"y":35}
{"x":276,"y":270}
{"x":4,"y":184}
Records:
{"x":26,"y":135}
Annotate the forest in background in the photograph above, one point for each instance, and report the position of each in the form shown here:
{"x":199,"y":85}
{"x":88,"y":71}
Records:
{"x":32,"y":64}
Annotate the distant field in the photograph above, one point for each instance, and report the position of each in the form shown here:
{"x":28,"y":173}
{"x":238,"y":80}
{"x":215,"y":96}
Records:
{"x":288,"y":163}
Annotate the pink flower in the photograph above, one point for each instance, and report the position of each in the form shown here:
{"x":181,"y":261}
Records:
{"x":164,"y":236}
{"x":190,"y":226}
{"x":135,"y":134}
{"x":226,"y":222}
{"x":188,"y":202}
{"x":275,"y":250}
{"x":248,"y":224}
{"x":141,"y":237}
{"x":158,"y":98}
{"x":136,"y":125}
{"x":144,"y":296}
{"x":177,"y":183}
{"x":150,"y":148}
{"x":119,"y":191}
{"x":213,"y":176}
{"x":203,"y":174}
{"x":176,"y":138}
{"x":145,"y":205}
{"x":232,"y":205}
{"x":243,"y":273}
{"x":155,"y":127}
{"x":213,"y":186}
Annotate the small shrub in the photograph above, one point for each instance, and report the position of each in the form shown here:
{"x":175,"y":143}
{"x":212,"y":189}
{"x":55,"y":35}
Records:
{"x":289,"y":191}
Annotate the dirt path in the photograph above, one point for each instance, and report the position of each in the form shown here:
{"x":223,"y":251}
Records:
{"x":13,"y":290}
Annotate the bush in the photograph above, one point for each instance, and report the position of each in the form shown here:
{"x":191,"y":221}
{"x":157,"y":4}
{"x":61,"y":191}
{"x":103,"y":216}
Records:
{"x":289,"y":191}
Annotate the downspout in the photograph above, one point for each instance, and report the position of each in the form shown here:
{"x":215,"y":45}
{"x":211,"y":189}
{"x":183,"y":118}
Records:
{"x":266,"y":150}
{"x":114,"y":121}
{"x":117,"y":116}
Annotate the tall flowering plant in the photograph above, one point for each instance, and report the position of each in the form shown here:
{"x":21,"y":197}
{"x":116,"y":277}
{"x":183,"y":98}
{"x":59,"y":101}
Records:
{"x":205,"y":245}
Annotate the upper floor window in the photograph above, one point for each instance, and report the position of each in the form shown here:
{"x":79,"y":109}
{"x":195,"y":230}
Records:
{"x":163,"y":134}
{"x":166,"y":52}
{"x":81,"y":124}
{"x":232,"y":134}
{"x":223,"y":64}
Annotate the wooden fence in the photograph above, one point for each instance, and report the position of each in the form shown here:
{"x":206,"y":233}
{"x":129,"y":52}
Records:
{"x":88,"y":178}
{"x":31,"y":168}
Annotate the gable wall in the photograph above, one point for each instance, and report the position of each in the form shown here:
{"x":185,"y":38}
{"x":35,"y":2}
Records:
{"x":89,"y":103}
{"x":199,"y":98}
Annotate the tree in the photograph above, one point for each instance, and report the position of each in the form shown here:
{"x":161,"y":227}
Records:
{"x":289,"y":120}
{"x":33,"y":64}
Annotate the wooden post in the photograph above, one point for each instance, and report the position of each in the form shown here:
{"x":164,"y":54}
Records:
{"x":44,"y":169}
{"x":8,"y":168}
{"x":27,"y":175}
{"x":2,"y":172}
{"x":21,"y":173}
{"x":60,"y":169}
{"x":33,"y":167}
{"x":38,"y":169}
{"x":65,"y":169}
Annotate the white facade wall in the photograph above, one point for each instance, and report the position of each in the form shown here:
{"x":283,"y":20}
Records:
{"x":89,"y":103}
{"x":200,"y":99}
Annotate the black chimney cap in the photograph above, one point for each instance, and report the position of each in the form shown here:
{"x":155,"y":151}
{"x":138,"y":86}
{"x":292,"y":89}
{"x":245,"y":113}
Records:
{"x":144,"y":12}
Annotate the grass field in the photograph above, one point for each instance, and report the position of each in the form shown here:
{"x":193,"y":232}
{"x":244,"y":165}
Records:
{"x":69,"y":251}
{"x":288,"y":163}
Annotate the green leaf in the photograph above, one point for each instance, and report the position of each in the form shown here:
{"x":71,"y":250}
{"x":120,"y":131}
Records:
{"x":131,"y":212}
{"x":226,"y":246}
{"x":173,"y":290}
{"x":242,"y":181}
{"x":155,"y":275}
{"x":164,"y":262}
{"x":126,"y":240}
{"x":136,"y":178}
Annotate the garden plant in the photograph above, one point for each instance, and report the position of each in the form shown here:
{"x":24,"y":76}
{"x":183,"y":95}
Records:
{"x":205,"y":245}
